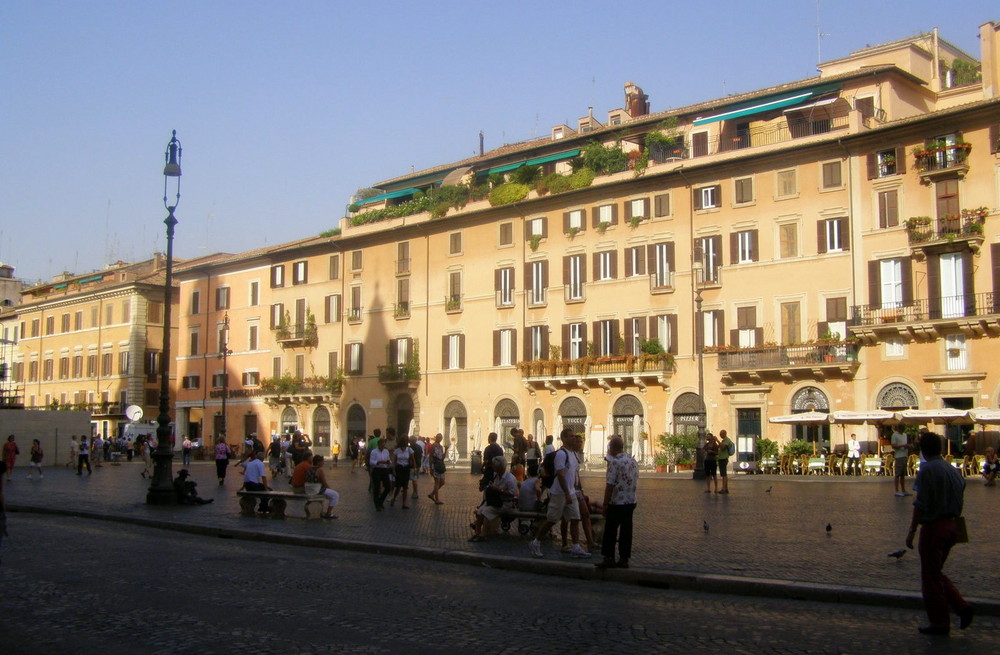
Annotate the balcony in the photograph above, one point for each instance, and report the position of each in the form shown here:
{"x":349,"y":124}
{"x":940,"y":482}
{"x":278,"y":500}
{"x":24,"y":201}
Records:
{"x":505,"y":298}
{"x":289,"y":390}
{"x":574,"y":293}
{"x":453,"y":304}
{"x":659,"y":283}
{"x":789,"y":130}
{"x":601,"y":372}
{"x":354,"y":315}
{"x":537,"y":298}
{"x":942,"y":160}
{"x":975,"y":314}
{"x":813,"y":361}
{"x":401,"y":310}
{"x":403,"y":266}
{"x":393,"y":375}
{"x":923,"y":231}
{"x":292,"y":336}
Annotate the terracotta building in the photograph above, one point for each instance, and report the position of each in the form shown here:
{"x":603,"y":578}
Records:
{"x":827,"y":244}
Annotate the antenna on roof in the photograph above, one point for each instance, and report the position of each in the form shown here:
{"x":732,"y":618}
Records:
{"x":819,"y":38}
{"x":480,"y":143}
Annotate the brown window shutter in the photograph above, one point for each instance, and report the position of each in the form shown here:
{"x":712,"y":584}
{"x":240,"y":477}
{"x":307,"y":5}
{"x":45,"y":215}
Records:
{"x":645,"y":208}
{"x":697,"y":198}
{"x":596,"y":263}
{"x":734,"y":337}
{"x":565,"y":340}
{"x":613,"y":269}
{"x":461,"y":351}
{"x":900,"y":160}
{"x":527,"y":275}
{"x":968,"y":275}
{"x":874,"y":284}
{"x":361,"y":358}
{"x":871,"y":162}
{"x":496,"y":279}
{"x":594,"y":217}
{"x":527,"y":230}
{"x":583,"y":268}
{"x":513,"y":346}
{"x":444,"y":351}
{"x":995,"y":259}
{"x":596,"y":326}
{"x":565,"y":269}
{"x":758,"y":336}
{"x":670,"y":254}
{"x":907,"y":272}
{"x":545,"y":274}
{"x":754,"y":242}
{"x":734,"y":247}
{"x":628,"y":209}
{"x":326,"y":310}
{"x":650,"y":258}
{"x":672,"y":346}
{"x":393,"y":352}
{"x":527,"y":345}
{"x":933,"y":286}
{"x":512,"y":285}
{"x":721,"y":326}
{"x":545,"y":343}
{"x":845,"y":234}
{"x":994,"y":138}
{"x":545,"y":227}
{"x":822,"y":327}
{"x":630,"y":334}
{"x":565,"y":222}
{"x":615,"y":334}
{"x":614,"y":214}
{"x":820,"y":237}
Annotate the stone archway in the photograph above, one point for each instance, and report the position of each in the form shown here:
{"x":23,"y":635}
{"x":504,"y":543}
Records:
{"x":321,"y":427}
{"x":510,"y":417}
{"x":574,"y":414}
{"x":689,"y":413}
{"x":289,"y":420}
{"x":402,"y":413}
{"x":811,"y":399}
{"x":456,"y":410}
{"x":357,"y":423}
{"x":626,"y":408}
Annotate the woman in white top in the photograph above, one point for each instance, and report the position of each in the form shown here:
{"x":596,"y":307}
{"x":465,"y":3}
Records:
{"x":402,"y":463}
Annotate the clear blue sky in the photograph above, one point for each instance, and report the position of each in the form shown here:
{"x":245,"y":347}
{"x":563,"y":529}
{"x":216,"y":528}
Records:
{"x":285,"y":108}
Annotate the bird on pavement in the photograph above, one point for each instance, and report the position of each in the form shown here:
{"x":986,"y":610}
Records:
{"x":704,"y":524}
{"x":829,"y":529}
{"x":768,"y":490}
{"x":898,"y":554}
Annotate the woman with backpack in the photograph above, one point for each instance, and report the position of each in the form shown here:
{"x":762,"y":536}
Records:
{"x":222,"y":455}
{"x":438,"y":468}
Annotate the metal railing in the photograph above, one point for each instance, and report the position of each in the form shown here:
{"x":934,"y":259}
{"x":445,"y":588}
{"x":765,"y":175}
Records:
{"x":967,"y":225}
{"x":776,"y":357}
{"x":927,"y":309}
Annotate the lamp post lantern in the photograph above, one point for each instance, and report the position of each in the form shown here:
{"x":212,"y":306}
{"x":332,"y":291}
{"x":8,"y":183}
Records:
{"x":697,"y":271}
{"x":161,"y":490}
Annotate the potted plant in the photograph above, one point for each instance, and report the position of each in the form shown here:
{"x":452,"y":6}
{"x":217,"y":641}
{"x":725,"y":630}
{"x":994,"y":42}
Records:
{"x":603,"y":226}
{"x":534,"y":241}
{"x":661,"y":462}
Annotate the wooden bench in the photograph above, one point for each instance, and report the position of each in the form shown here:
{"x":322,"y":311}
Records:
{"x":307,"y":506}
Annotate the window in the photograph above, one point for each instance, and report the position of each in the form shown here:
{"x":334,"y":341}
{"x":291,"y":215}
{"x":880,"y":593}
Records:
{"x":504,"y":286}
{"x":866,"y":106}
{"x":77,"y":321}
{"x":399,"y":351}
{"x":35,"y":324}
{"x":193,"y":348}
{"x":123,"y":360}
{"x":537,"y":281}
{"x":575,"y":340}
{"x":357,"y":260}
{"x":606,"y":337}
{"x":196,"y":302}
{"x":956,"y":352}
{"x":252,"y":339}
{"x":635,"y":261}
{"x":277,"y":315}
{"x":276,"y":367}
{"x":354,"y":358}
{"x":891,"y":283}
{"x":506,"y":237}
{"x":332,"y":364}
{"x":536,"y":342}
{"x":355,"y":312}
{"x":886,"y":162}
{"x":663,"y":328}
{"x":402,"y":257}
{"x":536,"y":227}
{"x":335,"y":267}
{"x":831,"y":175}
{"x":635,"y":334}
{"x":455,"y":243}
{"x":833,"y":235}
{"x":154,"y":312}
{"x":254,"y":297}
{"x":151,"y":364}
{"x":747,"y":334}
{"x":637,"y":209}
{"x":220,"y":380}
{"x":605,"y":265}
{"x":78,"y":366}
{"x":402,"y":297}
{"x":606,"y":214}
{"x":91,"y":366}
{"x":332,"y":308}
{"x":661,"y":205}
{"x":710,"y":330}
{"x":453,"y":352}
{"x":574,"y":276}
{"x":743,"y":246}
{"x":699,"y":144}
{"x":743,"y":190}
{"x":888,"y":208}
{"x":894,"y":347}
{"x":710,"y":249}
{"x":63,"y":368}
{"x":33,"y":371}
{"x":50,"y":322}
{"x":504,"y":347}
{"x":573,"y":221}
{"x":786,"y":183}
{"x":835,"y":325}
{"x":300,"y":272}
{"x":105,"y":365}
{"x":788,"y":237}
{"x":791,"y":323}
{"x":126,"y":311}
{"x":251,"y":378}
{"x":222,"y":298}
{"x":708,"y":197}
{"x":946,"y":192}
{"x":277,"y":276}
{"x":64,"y":322}
{"x":454,"y":289}
{"x":661,"y":263}
{"x":192,"y":381}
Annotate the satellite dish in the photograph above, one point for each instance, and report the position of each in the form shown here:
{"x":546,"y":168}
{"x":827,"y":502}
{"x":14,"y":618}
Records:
{"x":133,"y":412}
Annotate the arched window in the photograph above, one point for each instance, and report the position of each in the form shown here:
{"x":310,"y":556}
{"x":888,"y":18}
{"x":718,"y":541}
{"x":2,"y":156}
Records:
{"x":456,"y":426}
{"x":289,"y":420}
{"x":896,"y":395}
{"x":321,"y":428}
{"x":510,"y":417}
{"x":626,"y":409}
{"x":811,"y":399}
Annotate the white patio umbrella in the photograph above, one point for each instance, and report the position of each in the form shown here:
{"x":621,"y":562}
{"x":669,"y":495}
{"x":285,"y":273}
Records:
{"x":636,"y":438}
{"x":587,"y":423}
{"x":412,"y":430}
{"x":477,"y":434}
{"x":453,"y":438}
{"x":539,"y":432}
{"x":557,"y":430}
{"x":867,"y":417}
{"x":985,"y":415}
{"x":803,"y":418}
{"x":609,"y":427}
{"x":940,"y":416}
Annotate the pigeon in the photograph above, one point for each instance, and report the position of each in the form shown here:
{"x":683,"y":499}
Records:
{"x":898,"y":554}
{"x":768,"y":490}
{"x":829,"y":529}
{"x":704,"y":524}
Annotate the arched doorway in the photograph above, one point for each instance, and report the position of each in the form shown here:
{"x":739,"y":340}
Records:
{"x":811,"y":399}
{"x":289,"y":420}
{"x":510,"y":417}
{"x":357,"y":423}
{"x":624,"y":424}
{"x":403,"y":413}
{"x":456,"y":410}
{"x":573,"y":413}
{"x":689,"y":413}
{"x":321,"y":428}
{"x":896,"y":396}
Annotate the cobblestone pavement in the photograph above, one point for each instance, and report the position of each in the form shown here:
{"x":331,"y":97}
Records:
{"x":123,"y":589}
{"x":753,"y":533}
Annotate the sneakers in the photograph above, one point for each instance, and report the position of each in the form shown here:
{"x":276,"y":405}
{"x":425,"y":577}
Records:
{"x":899,"y":494}
{"x":535,"y":547}
{"x":578,"y":552}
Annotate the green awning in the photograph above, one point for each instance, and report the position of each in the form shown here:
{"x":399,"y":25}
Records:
{"x":388,"y":196}
{"x":758,"y":107}
{"x":96,"y":278}
{"x":560,"y":156}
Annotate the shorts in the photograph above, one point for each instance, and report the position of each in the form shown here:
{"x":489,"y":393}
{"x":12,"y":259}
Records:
{"x":723,"y":465}
{"x":489,"y":512}
{"x":711,"y":466}
{"x":901,"y":467}
{"x":561,"y":508}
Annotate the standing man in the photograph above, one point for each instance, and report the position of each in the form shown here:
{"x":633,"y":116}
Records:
{"x":97,"y":450}
{"x":900,"y":452}
{"x":83,"y":459}
{"x":335,"y":449}
{"x":186,"y":447}
{"x":492,"y":450}
{"x":619,"y":505}
{"x":74,"y":451}
{"x":854,"y":455}
{"x":380,"y":465}
{"x":255,"y":479}
{"x":940,"y":495}
{"x":563,"y":502}
{"x":726,"y":450}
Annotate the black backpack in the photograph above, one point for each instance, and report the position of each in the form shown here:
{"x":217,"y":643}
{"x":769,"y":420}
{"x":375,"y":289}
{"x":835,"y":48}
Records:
{"x":548,"y":471}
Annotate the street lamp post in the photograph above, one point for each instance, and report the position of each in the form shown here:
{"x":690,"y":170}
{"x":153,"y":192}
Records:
{"x":161,"y":491}
{"x":224,"y":353}
{"x":698,"y":274}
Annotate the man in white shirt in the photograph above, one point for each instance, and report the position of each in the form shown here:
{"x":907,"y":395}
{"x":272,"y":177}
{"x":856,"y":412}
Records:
{"x":380,"y":465}
{"x":563,"y":501}
{"x":255,"y":479}
{"x":854,"y":455}
{"x":619,"y":505}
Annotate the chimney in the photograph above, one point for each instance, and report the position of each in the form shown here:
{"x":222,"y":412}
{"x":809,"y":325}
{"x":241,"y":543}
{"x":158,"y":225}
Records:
{"x":636,"y":102}
{"x":480,"y":143}
{"x":159,"y":261}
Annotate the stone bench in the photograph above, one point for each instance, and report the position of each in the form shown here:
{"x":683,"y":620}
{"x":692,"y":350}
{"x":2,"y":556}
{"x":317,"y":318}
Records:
{"x":303,"y":506}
